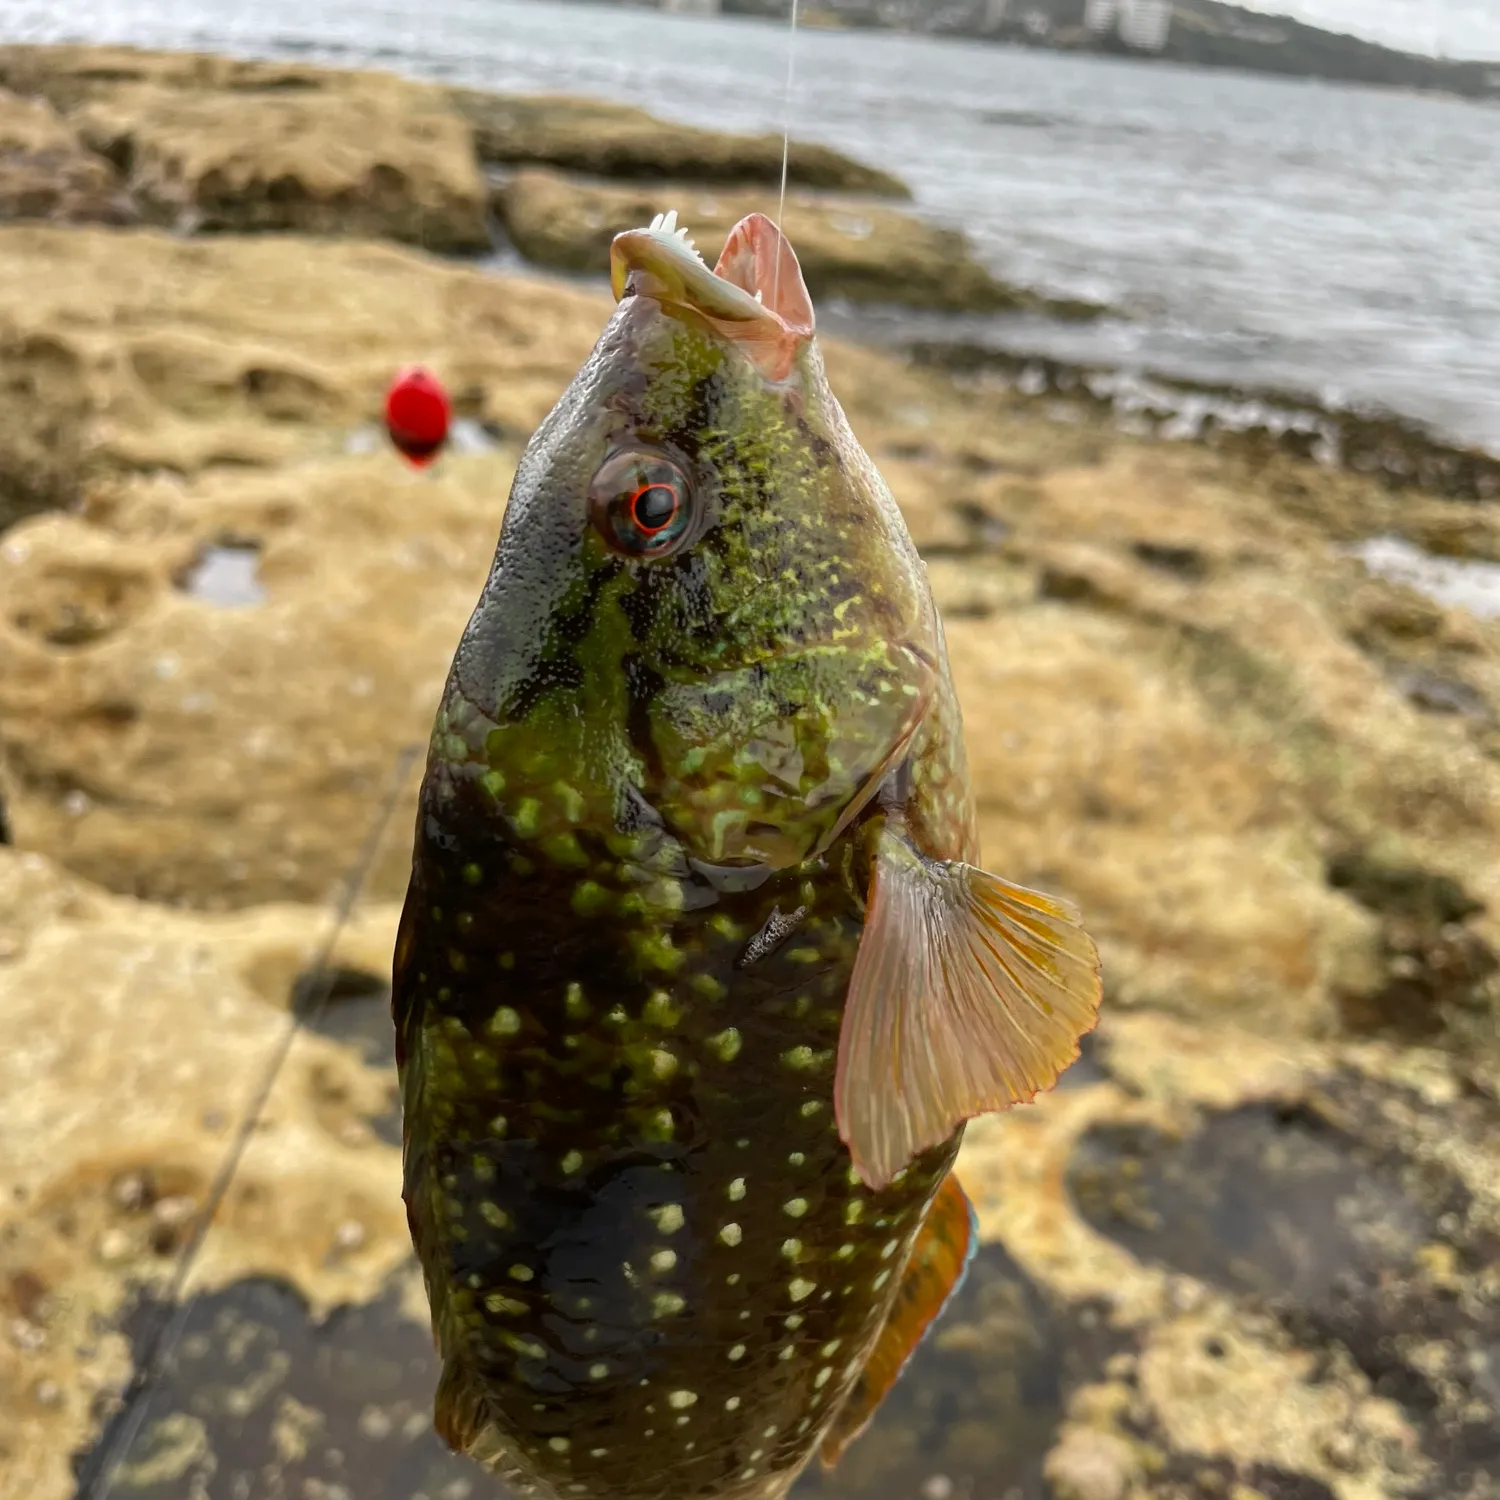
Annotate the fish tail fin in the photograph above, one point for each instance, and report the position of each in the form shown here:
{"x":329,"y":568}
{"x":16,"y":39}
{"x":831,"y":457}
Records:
{"x":969,"y":995}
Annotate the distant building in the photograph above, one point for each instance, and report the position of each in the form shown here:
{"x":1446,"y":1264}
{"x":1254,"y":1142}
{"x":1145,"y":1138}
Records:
{"x":1101,"y":16}
{"x":1145,"y":24}
{"x":690,"y":7}
{"x":1141,"y":24}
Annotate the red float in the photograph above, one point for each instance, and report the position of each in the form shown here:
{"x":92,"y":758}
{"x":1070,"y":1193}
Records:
{"x":417,"y":414}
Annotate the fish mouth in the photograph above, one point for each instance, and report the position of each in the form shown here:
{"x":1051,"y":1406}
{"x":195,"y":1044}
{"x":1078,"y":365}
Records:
{"x":754,"y":296}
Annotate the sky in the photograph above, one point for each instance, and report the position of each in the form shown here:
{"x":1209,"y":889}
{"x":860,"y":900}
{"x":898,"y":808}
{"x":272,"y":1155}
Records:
{"x":1453,"y":28}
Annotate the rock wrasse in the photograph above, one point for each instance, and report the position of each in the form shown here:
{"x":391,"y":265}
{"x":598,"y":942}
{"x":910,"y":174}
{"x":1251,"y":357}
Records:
{"x":697,"y":980}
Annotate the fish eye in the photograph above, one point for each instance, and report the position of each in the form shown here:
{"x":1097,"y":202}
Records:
{"x":641,"y":503}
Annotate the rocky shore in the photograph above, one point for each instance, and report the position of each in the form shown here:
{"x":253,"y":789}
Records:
{"x":1248,"y":1249}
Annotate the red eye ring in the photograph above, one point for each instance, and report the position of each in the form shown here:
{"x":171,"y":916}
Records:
{"x":635,"y":500}
{"x":642,"y":503}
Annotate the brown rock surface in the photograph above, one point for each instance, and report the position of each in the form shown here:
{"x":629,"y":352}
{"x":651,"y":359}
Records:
{"x":223,"y":144}
{"x":73,"y":74}
{"x":1247,"y":1248}
{"x":363,"y":156}
{"x":138,"y":1038}
{"x":216,"y":144}
{"x":618,"y":140}
{"x":47,"y":173}
{"x":848,"y":248}
{"x":1184,"y":680}
{"x":137,"y":352}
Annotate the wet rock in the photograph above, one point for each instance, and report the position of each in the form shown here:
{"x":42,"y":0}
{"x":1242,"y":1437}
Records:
{"x":979,"y":1402}
{"x":1441,"y":695}
{"x":1354,"y":1253}
{"x":263,"y":1399}
{"x":1433,"y":963}
{"x":618,"y":140}
{"x":131,"y":1026}
{"x":1258,"y":426}
{"x":46,"y":173}
{"x":859,"y":250}
{"x":1262,"y":1201}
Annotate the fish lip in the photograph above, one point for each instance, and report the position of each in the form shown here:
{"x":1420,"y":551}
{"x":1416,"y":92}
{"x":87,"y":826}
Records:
{"x":659,"y":263}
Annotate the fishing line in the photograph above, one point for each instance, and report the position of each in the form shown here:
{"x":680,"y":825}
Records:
{"x":96,"y":1477}
{"x":786,"y":144}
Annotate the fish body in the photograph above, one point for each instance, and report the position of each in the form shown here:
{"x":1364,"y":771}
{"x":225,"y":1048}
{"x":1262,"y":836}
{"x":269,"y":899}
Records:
{"x":681,"y":979}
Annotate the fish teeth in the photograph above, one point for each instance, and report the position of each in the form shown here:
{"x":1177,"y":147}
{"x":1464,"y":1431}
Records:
{"x":760,"y":296}
{"x":667,"y":224}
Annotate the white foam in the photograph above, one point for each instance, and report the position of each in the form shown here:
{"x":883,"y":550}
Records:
{"x":1455,"y":582}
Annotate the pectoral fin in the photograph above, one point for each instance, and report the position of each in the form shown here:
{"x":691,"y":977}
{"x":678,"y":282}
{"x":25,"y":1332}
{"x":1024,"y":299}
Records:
{"x":934,"y":1273}
{"x":968,"y":995}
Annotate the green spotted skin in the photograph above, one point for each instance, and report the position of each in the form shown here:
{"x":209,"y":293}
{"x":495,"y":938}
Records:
{"x":638,"y":888}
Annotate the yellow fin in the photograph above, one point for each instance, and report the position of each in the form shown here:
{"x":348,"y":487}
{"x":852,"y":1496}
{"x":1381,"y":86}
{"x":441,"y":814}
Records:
{"x":968,"y":995}
{"x":934,"y":1273}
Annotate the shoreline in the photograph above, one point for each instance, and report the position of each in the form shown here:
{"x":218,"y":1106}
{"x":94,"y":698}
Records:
{"x":1402,"y":452}
{"x":1271,"y":45}
{"x":1403,"y":446}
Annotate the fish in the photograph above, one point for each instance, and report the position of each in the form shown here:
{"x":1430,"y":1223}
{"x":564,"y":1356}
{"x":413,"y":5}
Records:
{"x":698,"y":978}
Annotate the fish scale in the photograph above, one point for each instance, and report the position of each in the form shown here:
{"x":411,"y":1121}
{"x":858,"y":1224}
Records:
{"x":695,"y":984}
{"x":650,"y":1225}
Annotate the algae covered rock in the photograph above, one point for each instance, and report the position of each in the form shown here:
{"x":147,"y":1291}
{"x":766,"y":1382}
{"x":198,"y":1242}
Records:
{"x":850,"y":248}
{"x":619,"y":140}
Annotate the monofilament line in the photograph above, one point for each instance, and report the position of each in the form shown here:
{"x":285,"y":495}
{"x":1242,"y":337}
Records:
{"x":96,"y":1479}
{"x":786,"y":143}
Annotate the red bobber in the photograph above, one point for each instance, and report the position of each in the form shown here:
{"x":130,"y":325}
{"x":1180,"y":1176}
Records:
{"x":417,"y":413}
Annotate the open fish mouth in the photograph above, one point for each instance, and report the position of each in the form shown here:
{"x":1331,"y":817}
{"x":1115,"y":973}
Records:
{"x":754,"y":296}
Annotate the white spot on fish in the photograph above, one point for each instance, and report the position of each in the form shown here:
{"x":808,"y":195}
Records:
{"x":669,"y":1217}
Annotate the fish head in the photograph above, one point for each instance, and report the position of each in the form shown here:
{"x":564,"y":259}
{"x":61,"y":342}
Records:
{"x":705,"y":614}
